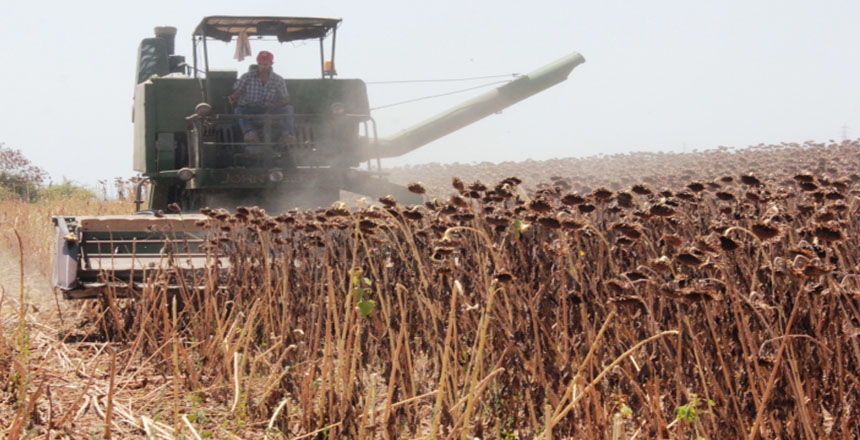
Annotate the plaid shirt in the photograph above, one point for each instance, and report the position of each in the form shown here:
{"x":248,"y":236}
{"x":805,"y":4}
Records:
{"x":254,"y":92}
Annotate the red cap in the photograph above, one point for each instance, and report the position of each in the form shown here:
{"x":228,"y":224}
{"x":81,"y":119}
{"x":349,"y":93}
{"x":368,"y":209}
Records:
{"x":265,"y":56}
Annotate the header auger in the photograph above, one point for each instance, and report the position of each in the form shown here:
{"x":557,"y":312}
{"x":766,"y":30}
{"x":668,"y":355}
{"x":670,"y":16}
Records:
{"x":188,"y":146}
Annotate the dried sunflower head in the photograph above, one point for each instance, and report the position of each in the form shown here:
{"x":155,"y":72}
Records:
{"x":725,"y":196}
{"x":727,"y":244}
{"x":477,"y":186}
{"x":585,"y":208}
{"x":750,"y":180}
{"x":804,"y":177}
{"x":828,"y":234}
{"x":572,"y":199}
{"x":458,"y":184}
{"x":696,"y":187}
{"x":662,"y":264}
{"x":689,"y":259}
{"x":388,"y":201}
{"x":417,"y":188}
{"x":602,"y":194}
{"x":765,"y":231}
{"x":661,"y":210}
{"x":549,"y":222}
{"x":540,"y":205}
{"x":629,"y":230}
{"x":640,"y":189}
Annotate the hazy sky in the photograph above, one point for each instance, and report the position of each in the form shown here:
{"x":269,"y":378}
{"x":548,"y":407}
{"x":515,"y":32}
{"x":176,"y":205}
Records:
{"x":659,"y":75}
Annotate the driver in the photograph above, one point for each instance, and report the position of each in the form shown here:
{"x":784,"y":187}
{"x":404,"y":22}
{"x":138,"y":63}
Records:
{"x":263,"y":91}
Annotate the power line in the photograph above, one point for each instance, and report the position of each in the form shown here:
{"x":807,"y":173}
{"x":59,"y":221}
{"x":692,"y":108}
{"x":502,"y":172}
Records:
{"x":471,"y":78}
{"x":437,"y":96}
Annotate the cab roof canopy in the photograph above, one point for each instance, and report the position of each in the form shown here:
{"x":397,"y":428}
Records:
{"x":224,"y":28}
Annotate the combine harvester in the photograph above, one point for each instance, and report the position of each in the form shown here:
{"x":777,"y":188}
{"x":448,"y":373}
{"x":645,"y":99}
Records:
{"x":188,"y":146}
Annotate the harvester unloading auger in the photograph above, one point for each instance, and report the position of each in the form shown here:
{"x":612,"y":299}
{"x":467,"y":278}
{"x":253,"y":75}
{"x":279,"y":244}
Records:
{"x":188,"y":146}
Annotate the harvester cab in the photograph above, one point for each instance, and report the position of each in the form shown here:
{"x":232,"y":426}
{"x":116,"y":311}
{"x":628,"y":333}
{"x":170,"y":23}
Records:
{"x":189,"y":147}
{"x":188,"y":141}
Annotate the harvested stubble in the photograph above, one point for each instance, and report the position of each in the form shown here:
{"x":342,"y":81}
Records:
{"x":499,"y":314}
{"x":44,"y":383}
{"x":726,"y":309}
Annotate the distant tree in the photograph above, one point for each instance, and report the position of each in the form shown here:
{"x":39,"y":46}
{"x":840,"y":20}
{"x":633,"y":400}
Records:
{"x":18,"y":175}
{"x":67,"y":190}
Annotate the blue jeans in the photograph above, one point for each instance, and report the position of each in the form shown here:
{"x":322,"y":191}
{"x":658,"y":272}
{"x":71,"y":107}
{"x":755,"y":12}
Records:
{"x":287,"y":123}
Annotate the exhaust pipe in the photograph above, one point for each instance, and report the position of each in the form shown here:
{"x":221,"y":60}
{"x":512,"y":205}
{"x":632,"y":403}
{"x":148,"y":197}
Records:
{"x":168,"y":34}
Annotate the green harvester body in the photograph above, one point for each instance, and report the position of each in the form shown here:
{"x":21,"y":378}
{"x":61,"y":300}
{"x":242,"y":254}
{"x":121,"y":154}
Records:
{"x":190,"y":150}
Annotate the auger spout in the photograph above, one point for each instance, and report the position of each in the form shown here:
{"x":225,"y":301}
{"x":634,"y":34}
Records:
{"x":474,"y":109}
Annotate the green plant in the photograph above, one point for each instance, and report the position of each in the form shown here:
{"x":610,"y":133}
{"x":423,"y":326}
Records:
{"x":692,"y":411}
{"x":197,"y":414}
{"x":20,"y":380}
{"x":622,"y":413}
{"x":361,"y":290}
{"x":66,"y":191}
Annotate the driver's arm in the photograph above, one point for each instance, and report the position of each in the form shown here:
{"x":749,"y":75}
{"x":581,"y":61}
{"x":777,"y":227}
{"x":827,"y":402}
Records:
{"x":233,"y":98}
{"x":284,"y":94}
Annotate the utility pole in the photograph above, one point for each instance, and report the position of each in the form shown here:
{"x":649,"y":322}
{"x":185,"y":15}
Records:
{"x":844,"y":132}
